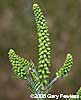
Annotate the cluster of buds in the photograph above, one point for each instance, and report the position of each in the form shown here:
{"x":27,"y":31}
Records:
{"x":38,"y":78}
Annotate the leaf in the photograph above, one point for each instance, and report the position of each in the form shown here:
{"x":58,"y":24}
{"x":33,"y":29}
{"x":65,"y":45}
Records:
{"x":34,"y":86}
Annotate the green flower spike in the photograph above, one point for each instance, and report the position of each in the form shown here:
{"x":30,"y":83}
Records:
{"x":24,"y":70}
{"x":63,"y":71}
{"x":21,"y":66}
{"x":37,"y":80}
{"x":44,"y":49}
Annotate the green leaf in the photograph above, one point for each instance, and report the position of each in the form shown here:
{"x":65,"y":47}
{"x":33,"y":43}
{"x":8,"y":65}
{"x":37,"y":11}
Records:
{"x":33,"y":85}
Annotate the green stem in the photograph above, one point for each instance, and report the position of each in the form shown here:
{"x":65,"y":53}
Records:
{"x":52,"y":82}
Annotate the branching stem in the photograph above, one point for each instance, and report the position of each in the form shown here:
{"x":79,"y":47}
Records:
{"x":51,"y":83}
{"x":34,"y":70}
